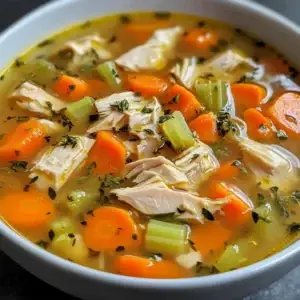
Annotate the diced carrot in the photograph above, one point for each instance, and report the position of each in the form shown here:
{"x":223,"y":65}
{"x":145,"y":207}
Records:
{"x":110,"y":229}
{"x":237,"y":213}
{"x":285,"y":112}
{"x":71,"y":88}
{"x":27,"y":210}
{"x":26,"y":141}
{"x":258,"y":126}
{"x":248,"y":95}
{"x":136,"y":266}
{"x":210,"y":238}
{"x":206,"y":127}
{"x":179,"y":98}
{"x":108,"y":153}
{"x":141,"y":32}
{"x":227,"y":171}
{"x":147,"y":85}
{"x":275,"y":65}
{"x":199,"y":38}
{"x":97,"y":88}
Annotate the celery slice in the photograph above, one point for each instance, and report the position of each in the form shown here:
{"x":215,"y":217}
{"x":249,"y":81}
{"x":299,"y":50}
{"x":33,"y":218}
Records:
{"x":177,"y":131}
{"x":79,"y":111}
{"x":166,"y":238}
{"x":62,"y":225}
{"x":81,"y":201}
{"x":108,"y":70}
{"x":214,"y":95}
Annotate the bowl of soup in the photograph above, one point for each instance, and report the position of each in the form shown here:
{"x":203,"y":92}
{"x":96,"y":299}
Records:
{"x":151,"y":151}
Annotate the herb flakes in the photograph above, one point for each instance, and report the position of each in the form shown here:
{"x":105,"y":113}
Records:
{"x":18,"y":165}
{"x":124,"y":19}
{"x":68,"y":140}
{"x":120,"y":249}
{"x":51,"y":234}
{"x":42,"y":244}
{"x":146,"y":110}
{"x":192,"y":244}
{"x":294,"y":228}
{"x":162,"y":15}
{"x":281,"y":135}
{"x":120,"y":106}
{"x":207,"y":214}
{"x":224,"y":123}
{"x":51,"y":193}
{"x":165,"y":118}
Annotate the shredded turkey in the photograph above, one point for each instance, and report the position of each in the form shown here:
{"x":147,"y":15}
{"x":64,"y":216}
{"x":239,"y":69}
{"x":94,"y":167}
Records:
{"x":155,"y":53}
{"x":35,"y":100}
{"x":58,"y":162}
{"x":154,"y":199}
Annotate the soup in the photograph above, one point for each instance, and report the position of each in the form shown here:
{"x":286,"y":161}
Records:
{"x":152,"y":145}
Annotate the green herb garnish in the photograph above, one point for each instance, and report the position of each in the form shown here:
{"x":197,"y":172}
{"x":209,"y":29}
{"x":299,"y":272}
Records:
{"x":51,"y":193}
{"x":120,"y":106}
{"x":207,"y":214}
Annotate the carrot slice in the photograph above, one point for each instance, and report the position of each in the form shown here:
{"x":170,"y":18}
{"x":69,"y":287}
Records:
{"x":248,"y":94}
{"x":199,"y":38}
{"x":206,"y":127}
{"x":147,"y":85}
{"x":179,"y":98}
{"x":237,"y":213}
{"x":110,"y":228}
{"x":108,"y":153}
{"x":210,"y":238}
{"x":227,"y":171}
{"x":27,"y":210}
{"x":285,"y":113}
{"x":258,"y":126}
{"x":136,"y":266}
{"x":141,"y":32}
{"x":26,"y":141}
{"x":71,"y":88}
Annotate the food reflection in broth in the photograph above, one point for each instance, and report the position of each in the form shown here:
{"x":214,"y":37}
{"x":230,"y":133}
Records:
{"x":152,"y":145}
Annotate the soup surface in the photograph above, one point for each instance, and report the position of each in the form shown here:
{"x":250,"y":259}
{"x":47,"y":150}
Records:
{"x":152,"y":145}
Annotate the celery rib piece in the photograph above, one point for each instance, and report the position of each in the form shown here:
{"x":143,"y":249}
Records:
{"x":108,"y":70}
{"x":177,"y":131}
{"x":80,"y":201}
{"x":79,"y":111}
{"x":165,"y":238}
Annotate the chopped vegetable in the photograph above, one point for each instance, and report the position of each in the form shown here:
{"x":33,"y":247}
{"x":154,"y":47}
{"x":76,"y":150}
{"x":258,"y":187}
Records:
{"x":108,"y":70}
{"x":229,"y":170}
{"x":205,"y":126}
{"x":71,"y":88}
{"x":165,"y":238}
{"x":109,"y":228}
{"x":63,"y":225}
{"x":248,"y":95}
{"x":285,"y":113}
{"x":179,"y":98}
{"x":200,"y":39}
{"x":26,"y":141}
{"x":27,"y":210}
{"x":108,"y":153}
{"x":80,"y":201}
{"x":78,"y":112}
{"x":147,"y":85}
{"x":136,"y":266}
{"x":258,"y":126}
{"x":214,"y":95}
{"x":177,"y":132}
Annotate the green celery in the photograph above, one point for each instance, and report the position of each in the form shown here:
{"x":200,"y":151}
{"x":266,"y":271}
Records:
{"x":177,"y":131}
{"x":166,"y":238}
{"x":79,"y":111}
{"x":62,"y":225}
{"x":81,"y":201}
{"x":108,"y":70}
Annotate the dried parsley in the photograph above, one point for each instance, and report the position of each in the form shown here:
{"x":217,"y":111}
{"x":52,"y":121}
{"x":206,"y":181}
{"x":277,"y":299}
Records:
{"x":18,"y":63}
{"x":279,"y":201}
{"x":294,"y":228}
{"x":134,"y":236}
{"x":162,"y":15}
{"x":149,"y":131}
{"x":164,"y":118}
{"x":240,"y":165}
{"x":224,"y":123}
{"x":124,"y":19}
{"x":146,"y":110}
{"x":71,"y":235}
{"x":192,"y":244}
{"x":51,"y":234}
{"x":281,"y":135}
{"x":175,"y":99}
{"x":201,"y":24}
{"x":120,"y":106}
{"x":47,"y":138}
{"x":42,"y":244}
{"x":18,"y":165}
{"x":68,"y":140}
{"x":51,"y":193}
{"x":120,"y":249}
{"x":207,"y":214}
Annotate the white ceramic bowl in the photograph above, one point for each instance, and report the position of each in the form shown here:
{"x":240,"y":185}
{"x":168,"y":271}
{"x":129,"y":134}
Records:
{"x":91,"y":284}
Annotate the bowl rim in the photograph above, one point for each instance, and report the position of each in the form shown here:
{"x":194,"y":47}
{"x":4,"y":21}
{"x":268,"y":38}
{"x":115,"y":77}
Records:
{"x":61,"y":264}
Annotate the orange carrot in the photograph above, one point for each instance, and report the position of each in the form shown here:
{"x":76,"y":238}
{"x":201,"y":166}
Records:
{"x":237,"y":213}
{"x":97,"y":88}
{"x":26,"y":141}
{"x":227,"y":171}
{"x":258,"y":126}
{"x":285,"y":113}
{"x":199,"y":38}
{"x":141,"y":32}
{"x":210,"y":238}
{"x":27,"y":210}
{"x":179,"y":98}
{"x":136,"y":266}
{"x":110,"y":229}
{"x":248,"y":94}
{"x":275,"y":65}
{"x":71,"y":88}
{"x":206,"y":127}
{"x":108,"y":153}
{"x":147,"y":85}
